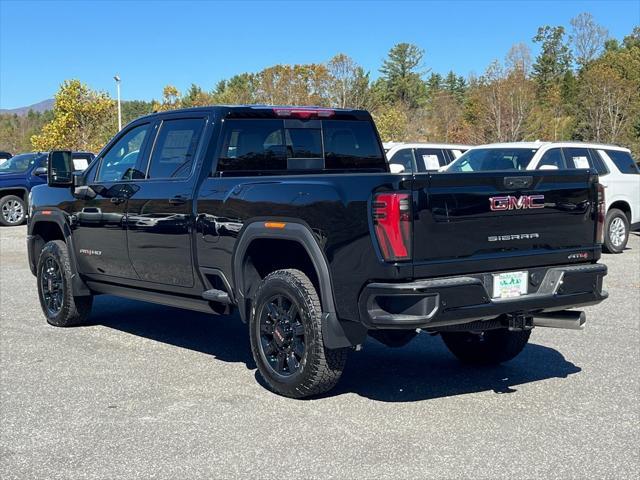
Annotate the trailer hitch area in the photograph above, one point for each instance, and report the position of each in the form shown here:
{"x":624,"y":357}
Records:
{"x":519,"y":322}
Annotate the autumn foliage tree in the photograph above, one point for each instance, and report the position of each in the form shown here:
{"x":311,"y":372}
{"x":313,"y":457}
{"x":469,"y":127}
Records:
{"x":80,"y":120}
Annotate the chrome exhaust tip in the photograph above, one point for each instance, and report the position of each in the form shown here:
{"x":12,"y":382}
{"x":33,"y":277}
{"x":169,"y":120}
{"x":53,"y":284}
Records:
{"x":570,"y":319}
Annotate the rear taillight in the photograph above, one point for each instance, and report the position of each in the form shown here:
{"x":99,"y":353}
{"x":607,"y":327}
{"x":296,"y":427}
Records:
{"x":392,"y":224}
{"x":601,"y":215}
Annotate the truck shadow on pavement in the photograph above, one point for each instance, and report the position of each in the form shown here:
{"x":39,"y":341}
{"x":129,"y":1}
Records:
{"x":422,"y":370}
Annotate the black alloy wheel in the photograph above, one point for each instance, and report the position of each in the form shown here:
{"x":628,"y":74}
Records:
{"x":282,"y":337}
{"x":52,"y":286}
{"x":55,"y":287}
{"x":286,"y":337}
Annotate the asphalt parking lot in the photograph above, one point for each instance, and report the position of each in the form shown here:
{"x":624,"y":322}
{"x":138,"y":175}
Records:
{"x":147,"y":391}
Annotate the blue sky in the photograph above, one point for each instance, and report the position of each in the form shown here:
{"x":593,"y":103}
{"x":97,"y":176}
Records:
{"x":151,"y":44}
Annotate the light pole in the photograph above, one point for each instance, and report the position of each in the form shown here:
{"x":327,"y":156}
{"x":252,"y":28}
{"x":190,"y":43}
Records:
{"x":117,"y":79}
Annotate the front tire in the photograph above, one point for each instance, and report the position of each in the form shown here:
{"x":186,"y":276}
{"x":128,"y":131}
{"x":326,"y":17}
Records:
{"x":486,"y":348}
{"x":13,"y":211}
{"x":286,"y":337}
{"x":60,"y":307}
{"x":616,"y":231}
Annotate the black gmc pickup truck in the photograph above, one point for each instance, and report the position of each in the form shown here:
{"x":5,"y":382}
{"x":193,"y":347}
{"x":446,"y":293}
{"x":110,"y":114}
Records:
{"x":291,"y":216}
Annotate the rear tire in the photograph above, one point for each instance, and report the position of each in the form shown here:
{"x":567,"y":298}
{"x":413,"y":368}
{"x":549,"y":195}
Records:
{"x":60,"y":307}
{"x":286,"y":337}
{"x":486,"y":348}
{"x":616,"y":231}
{"x":13,"y":211}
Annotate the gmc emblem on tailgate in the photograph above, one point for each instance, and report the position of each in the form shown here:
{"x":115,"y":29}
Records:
{"x":509,"y":202}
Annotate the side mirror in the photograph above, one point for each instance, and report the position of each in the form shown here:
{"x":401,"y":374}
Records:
{"x":60,"y":172}
{"x":40,"y":172}
{"x":80,"y":189}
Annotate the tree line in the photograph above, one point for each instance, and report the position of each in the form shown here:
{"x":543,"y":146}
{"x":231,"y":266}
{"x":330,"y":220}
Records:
{"x":582,"y":85}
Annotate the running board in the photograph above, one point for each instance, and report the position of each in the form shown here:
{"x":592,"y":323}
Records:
{"x":214,"y":295}
{"x":179,"y":301}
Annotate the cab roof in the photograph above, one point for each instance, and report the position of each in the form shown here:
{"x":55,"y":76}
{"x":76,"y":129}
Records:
{"x":269,"y":111}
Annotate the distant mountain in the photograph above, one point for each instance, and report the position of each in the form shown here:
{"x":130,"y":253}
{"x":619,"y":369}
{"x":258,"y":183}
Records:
{"x":36,"y":107}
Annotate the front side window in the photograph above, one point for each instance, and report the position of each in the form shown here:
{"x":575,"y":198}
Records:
{"x":120,"y":161}
{"x":552,"y":159}
{"x":430,"y":159}
{"x":253,"y":146}
{"x":577,"y":157}
{"x":623,"y":161}
{"x":493,"y":159}
{"x":20,"y":163}
{"x":175,"y":148}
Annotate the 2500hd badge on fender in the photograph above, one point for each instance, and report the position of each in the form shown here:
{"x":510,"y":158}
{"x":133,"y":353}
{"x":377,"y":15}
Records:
{"x":291,"y":216}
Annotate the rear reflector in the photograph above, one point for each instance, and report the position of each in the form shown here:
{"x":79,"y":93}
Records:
{"x":304,"y":113}
{"x":392,"y":224}
{"x":278,"y":225}
{"x":601,"y":214}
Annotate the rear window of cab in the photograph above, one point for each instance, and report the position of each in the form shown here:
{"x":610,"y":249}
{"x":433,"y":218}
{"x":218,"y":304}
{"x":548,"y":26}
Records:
{"x":257,"y":146}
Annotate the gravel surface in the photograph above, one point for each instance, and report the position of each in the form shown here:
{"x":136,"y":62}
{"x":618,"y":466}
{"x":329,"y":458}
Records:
{"x":147,"y":391}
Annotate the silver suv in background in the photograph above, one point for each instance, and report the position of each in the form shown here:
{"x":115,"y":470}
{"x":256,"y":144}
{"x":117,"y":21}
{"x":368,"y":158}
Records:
{"x":617,"y":170}
{"x":421,"y":157}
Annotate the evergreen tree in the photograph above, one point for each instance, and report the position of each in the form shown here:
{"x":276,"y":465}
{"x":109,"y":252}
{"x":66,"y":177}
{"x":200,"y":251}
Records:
{"x":553,"y":61}
{"x":402,"y":76}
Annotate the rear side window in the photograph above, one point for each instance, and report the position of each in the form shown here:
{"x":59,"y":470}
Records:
{"x":623,"y":161}
{"x":577,"y":157}
{"x":456,"y":153}
{"x":598,"y":163}
{"x":430,"y":159}
{"x":403,"y":157}
{"x":175,"y":148}
{"x":254,"y":146}
{"x":81,"y":160}
{"x":552,"y":158}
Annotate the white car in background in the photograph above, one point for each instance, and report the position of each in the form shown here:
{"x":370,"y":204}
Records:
{"x":616,"y":168}
{"x":421,"y":157}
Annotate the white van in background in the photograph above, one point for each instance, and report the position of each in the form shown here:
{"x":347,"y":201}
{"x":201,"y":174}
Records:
{"x":616,"y":168}
{"x":421,"y":157}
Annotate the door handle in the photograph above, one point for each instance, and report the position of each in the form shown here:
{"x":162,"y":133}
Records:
{"x":178,"y":200}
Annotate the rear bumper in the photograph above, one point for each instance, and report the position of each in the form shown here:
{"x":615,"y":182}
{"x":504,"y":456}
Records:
{"x":456,"y":300}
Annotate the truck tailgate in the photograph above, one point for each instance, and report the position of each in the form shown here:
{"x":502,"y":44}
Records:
{"x":465,"y":222}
